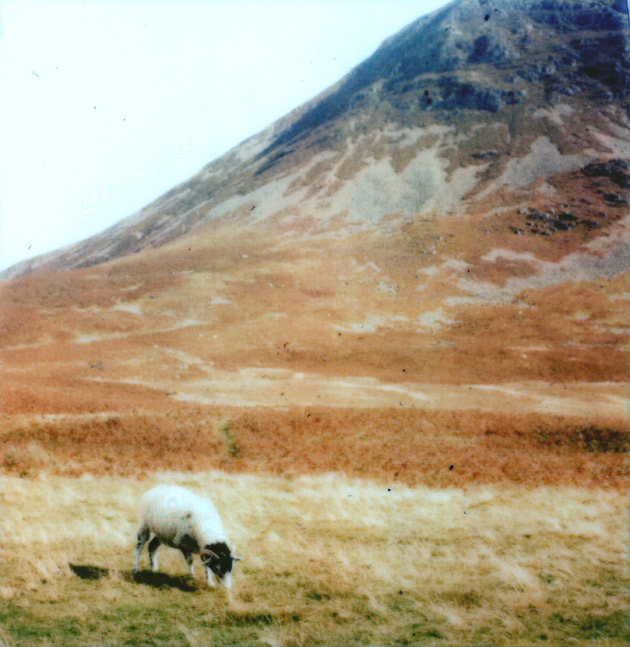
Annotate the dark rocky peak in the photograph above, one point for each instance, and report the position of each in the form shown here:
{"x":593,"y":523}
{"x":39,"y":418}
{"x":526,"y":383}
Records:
{"x":565,"y":46}
{"x":496,"y":75}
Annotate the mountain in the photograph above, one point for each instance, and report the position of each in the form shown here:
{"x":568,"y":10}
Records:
{"x":452,"y":212}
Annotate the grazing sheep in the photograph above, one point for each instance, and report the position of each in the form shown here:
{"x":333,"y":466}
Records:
{"x":176,"y":517}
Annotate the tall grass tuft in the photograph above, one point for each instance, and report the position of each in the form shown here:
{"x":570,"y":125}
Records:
{"x":230,"y":441}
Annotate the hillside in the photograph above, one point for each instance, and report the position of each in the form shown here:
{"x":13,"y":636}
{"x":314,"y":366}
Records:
{"x":446,"y":226}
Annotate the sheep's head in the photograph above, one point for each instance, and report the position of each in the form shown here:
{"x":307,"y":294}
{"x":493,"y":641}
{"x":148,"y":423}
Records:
{"x":219,"y":559}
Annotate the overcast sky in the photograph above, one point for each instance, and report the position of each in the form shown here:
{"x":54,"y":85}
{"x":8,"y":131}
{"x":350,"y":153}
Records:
{"x":106,"y":105}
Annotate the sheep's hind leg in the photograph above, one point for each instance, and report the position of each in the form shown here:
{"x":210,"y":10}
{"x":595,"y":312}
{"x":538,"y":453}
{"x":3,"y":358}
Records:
{"x":154,"y":544}
{"x":143,"y":536}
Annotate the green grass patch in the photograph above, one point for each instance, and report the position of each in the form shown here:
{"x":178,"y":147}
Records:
{"x":231,"y":445}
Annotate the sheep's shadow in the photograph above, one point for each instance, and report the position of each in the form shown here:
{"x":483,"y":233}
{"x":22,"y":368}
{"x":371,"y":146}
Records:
{"x":148,"y":578}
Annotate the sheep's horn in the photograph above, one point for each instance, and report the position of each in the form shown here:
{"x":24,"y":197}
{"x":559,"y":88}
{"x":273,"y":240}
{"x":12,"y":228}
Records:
{"x":208,"y":554}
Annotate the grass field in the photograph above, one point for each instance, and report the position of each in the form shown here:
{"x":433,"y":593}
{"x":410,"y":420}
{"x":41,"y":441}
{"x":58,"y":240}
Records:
{"x":357,"y":527}
{"x":327,"y":560}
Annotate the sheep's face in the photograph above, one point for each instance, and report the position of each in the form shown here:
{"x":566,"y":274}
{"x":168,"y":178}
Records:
{"x":219,"y":559}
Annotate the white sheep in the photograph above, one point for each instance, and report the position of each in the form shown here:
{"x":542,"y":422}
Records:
{"x":174,"y":516}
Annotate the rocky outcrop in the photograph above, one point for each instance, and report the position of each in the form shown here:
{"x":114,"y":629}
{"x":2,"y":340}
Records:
{"x":615,"y":169}
{"x":546,"y":223}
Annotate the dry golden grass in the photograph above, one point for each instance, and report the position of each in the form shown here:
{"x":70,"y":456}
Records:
{"x":328,"y":560}
{"x":430,"y":448}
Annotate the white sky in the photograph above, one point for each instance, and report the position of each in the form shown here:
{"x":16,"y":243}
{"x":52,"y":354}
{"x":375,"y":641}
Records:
{"x":104,"y":106}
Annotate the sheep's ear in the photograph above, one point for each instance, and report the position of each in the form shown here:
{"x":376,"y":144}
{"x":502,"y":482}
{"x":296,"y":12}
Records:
{"x":236,"y":558}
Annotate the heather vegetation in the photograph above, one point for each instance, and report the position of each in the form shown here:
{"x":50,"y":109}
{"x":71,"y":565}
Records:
{"x":413,"y":446}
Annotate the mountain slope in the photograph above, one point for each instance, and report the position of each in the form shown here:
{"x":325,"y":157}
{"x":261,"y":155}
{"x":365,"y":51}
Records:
{"x":446,"y":226}
{"x":437,"y":111}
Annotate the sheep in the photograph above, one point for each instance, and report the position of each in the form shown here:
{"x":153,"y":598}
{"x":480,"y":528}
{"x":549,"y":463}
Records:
{"x":174,"y":516}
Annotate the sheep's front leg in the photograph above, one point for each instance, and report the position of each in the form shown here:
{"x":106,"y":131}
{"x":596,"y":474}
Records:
{"x":154,"y":544}
{"x":143,"y":536}
{"x":189,"y":560}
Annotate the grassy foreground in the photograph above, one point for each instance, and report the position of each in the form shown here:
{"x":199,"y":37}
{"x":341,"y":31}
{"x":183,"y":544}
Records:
{"x":328,"y":560}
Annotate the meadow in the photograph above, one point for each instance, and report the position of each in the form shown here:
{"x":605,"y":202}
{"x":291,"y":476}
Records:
{"x":327,"y":560}
{"x":532,"y":551}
